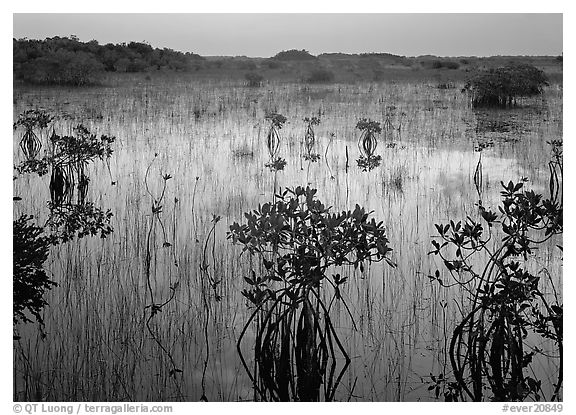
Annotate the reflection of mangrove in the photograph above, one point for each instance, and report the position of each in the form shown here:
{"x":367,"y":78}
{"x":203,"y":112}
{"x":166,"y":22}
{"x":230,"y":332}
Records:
{"x":67,"y":157}
{"x":209,"y":283}
{"x":367,"y":144}
{"x":388,"y":126}
{"x":490,"y":126}
{"x":273,"y":141}
{"x":70,"y":220}
{"x":556,"y":166}
{"x":297,"y":240}
{"x":30,"y":144}
{"x":478,"y":177}
{"x":332,"y":135}
{"x":492,"y":348}
{"x":70,"y":155}
{"x":389,"y":113}
{"x":276,"y":163}
{"x":490,"y":121}
{"x":74,"y":153}
{"x":310,"y":139}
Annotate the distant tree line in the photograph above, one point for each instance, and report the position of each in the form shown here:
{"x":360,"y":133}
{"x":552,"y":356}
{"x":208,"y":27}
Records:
{"x":68,"y":61}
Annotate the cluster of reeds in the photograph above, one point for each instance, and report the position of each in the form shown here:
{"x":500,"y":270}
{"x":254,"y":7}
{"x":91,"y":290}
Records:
{"x":389,"y":113}
{"x":298,"y":241}
{"x":209,"y":283}
{"x":156,"y":305}
{"x":490,"y":348}
{"x":254,"y":79}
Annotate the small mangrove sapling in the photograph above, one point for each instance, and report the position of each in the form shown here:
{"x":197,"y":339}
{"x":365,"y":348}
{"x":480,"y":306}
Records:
{"x":299,"y":242}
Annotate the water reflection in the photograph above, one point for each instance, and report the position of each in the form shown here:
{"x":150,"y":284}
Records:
{"x":217,"y":163}
{"x":491,"y":126}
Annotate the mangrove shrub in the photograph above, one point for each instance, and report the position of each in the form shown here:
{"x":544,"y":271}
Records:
{"x":301,"y":245}
{"x":501,"y":87}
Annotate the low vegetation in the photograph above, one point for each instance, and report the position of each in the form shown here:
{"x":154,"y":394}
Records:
{"x":68,"y":61}
{"x":441,"y":64}
{"x":502,"y":87}
{"x":254,"y":79}
{"x":320,"y":75}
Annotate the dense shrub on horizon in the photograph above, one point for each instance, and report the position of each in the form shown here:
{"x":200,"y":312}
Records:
{"x":273,"y":64}
{"x":246,"y":64}
{"x":63,"y":60}
{"x":387,"y":58}
{"x":320,"y":76}
{"x":294,"y":55}
{"x":440,"y":64}
{"x":501,"y":87}
{"x":62,"y":67}
{"x":254,"y":79}
{"x":451,"y":65}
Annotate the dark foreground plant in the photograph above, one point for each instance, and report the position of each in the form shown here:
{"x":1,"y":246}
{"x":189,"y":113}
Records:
{"x":492,"y":348}
{"x":31,"y":249}
{"x":77,"y":220}
{"x":300,"y":242}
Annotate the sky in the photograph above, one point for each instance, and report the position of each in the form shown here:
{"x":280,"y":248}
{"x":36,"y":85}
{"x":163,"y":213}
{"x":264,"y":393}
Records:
{"x":264,"y":35}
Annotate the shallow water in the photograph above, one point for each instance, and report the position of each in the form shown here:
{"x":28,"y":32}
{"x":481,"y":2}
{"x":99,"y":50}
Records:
{"x":97,"y":346}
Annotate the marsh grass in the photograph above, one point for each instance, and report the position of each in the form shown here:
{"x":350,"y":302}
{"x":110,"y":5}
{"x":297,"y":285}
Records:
{"x":97,"y":345}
